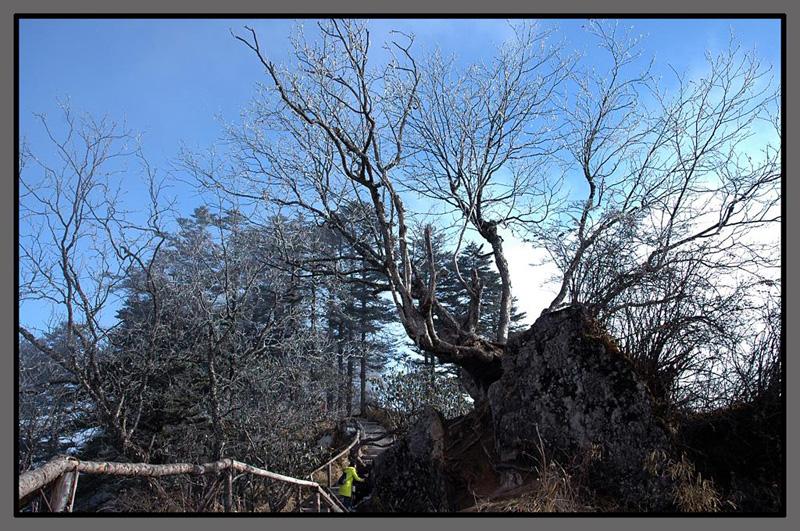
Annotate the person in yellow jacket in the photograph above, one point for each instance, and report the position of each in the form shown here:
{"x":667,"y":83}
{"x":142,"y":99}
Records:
{"x":346,"y":485}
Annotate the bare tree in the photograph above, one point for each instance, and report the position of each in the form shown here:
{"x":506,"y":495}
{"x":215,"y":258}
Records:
{"x":693,"y":178}
{"x":481,"y":142}
{"x":677,"y":227}
{"x":47,"y":407}
{"x":671,"y":191}
{"x":343,"y":129}
{"x":76,"y":245}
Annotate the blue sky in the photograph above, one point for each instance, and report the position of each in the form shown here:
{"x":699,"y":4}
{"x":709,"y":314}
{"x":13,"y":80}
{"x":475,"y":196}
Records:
{"x":170,"y":78}
{"x":173,"y":79}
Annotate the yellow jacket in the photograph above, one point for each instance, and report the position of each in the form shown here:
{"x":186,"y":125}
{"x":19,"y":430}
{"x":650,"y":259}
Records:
{"x":346,"y":489}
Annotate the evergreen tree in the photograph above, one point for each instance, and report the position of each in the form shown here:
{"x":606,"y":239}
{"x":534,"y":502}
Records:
{"x":473,"y":257}
{"x":357,"y":313}
{"x":452,"y":295}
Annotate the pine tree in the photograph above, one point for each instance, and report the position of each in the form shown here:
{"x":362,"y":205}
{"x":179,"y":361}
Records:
{"x":452,"y":295}
{"x":357,"y":314}
{"x":473,"y":257}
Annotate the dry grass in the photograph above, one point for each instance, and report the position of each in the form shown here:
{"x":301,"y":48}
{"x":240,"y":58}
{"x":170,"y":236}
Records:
{"x":555,"y":490}
{"x":597,"y":332}
{"x":690,"y":491}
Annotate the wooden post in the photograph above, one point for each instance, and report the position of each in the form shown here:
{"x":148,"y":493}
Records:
{"x":74,"y":490}
{"x":229,"y":490}
{"x":299,"y":498}
{"x":63,"y":493}
{"x":330,"y":480}
{"x":316,"y":502}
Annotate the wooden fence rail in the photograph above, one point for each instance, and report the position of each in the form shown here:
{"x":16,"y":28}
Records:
{"x":327,"y":464}
{"x":64,"y":470}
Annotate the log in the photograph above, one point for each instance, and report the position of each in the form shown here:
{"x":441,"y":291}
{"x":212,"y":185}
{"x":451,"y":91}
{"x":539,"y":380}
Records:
{"x":33,"y":480}
{"x":242,"y":467}
{"x":36,"y":479}
{"x":148,"y":470}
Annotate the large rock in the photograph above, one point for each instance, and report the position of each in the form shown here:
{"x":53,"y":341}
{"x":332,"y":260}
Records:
{"x":565,"y":383}
{"x":410,"y":476}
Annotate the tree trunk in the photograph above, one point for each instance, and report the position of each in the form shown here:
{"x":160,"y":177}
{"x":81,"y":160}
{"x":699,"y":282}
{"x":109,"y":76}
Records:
{"x":216,"y":420}
{"x":364,"y":383}
{"x":313,"y":316}
{"x":329,"y":398}
{"x":330,"y":388}
{"x":349,"y":386}
{"x":364,"y":348}
{"x":504,"y":321}
{"x":339,"y":379}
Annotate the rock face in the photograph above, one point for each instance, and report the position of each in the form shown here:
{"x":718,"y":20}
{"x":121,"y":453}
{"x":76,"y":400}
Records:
{"x":410,"y":476}
{"x":563,"y":388}
{"x":565,"y":382}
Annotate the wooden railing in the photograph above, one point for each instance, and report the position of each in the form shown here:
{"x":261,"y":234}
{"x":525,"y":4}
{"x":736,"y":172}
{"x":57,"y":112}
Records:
{"x":64,"y":472}
{"x":329,"y":463}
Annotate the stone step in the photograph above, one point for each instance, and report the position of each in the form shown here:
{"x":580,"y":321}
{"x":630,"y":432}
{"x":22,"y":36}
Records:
{"x":376,"y":448}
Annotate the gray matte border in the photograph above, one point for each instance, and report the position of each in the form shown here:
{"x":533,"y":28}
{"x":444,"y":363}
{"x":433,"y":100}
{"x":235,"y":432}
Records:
{"x":420,"y":7}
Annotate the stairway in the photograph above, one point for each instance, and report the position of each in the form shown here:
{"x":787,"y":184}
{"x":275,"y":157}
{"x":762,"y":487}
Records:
{"x":373,"y":430}
{"x":379,"y":440}
{"x":376,"y":440}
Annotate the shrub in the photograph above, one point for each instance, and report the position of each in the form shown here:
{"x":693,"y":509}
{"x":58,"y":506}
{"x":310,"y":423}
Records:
{"x":403,"y":394}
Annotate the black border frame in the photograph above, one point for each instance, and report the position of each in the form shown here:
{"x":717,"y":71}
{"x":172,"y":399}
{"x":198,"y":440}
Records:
{"x":223,"y":16}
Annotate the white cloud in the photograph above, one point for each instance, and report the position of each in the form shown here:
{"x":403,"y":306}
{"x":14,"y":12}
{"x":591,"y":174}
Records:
{"x":531,"y":273}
